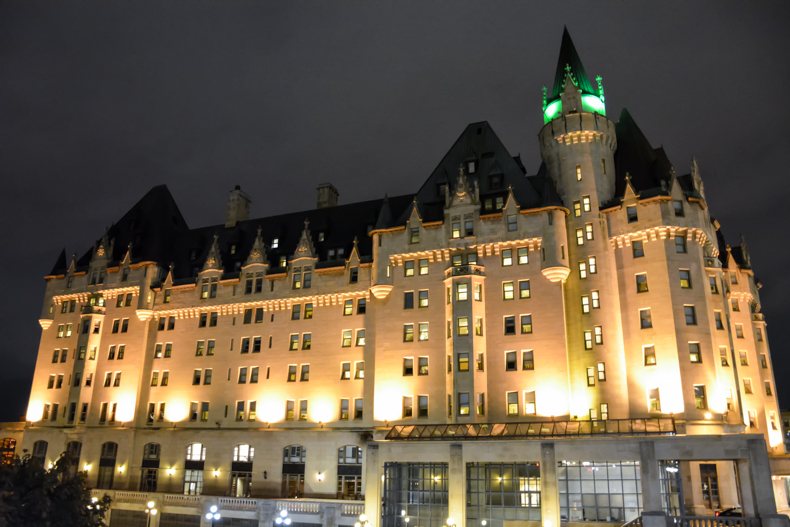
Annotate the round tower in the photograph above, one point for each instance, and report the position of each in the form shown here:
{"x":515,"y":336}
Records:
{"x":577,"y":146}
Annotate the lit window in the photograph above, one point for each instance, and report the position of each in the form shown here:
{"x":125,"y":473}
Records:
{"x":527,"y":360}
{"x":523,"y":255}
{"x":346,"y":340}
{"x":588,"y":339}
{"x":406,"y":407}
{"x":359,"y":369}
{"x":508,"y":292}
{"x":590,"y":376}
{"x":601,"y":368}
{"x":588,"y":231}
{"x":526,"y":323}
{"x":461,"y":291}
{"x":523,"y":289}
{"x":408,"y":268}
{"x":463,"y":362}
{"x":577,"y":208}
{"x":512,"y":403}
{"x":695,"y":355}
{"x":743,"y":358}
{"x":586,"y":203}
{"x":423,"y":262}
{"x":348,"y":308}
{"x":529,"y":403}
{"x":578,"y":172}
{"x":685,"y":279}
{"x":345,"y":371}
{"x":463,"y":326}
{"x":293,"y":343}
{"x":582,"y":270}
{"x":360,"y":341}
{"x":408,"y":333}
{"x":700,"y":401}
{"x":585,"y":304}
{"x":641,"y":283}
{"x":592,"y":265}
{"x":654,"y":400}
{"x":507,"y":257}
{"x":723,"y":356}
{"x":579,"y":236}
{"x":422,"y":328}
{"x":747,"y":386}
{"x":595,"y":296}
{"x":422,"y":300}
{"x":649,"y":351}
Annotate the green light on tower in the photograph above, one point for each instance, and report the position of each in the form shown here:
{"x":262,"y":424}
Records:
{"x":552,"y":110}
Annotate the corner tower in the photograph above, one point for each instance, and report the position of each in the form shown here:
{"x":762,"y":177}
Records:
{"x":577,"y":146}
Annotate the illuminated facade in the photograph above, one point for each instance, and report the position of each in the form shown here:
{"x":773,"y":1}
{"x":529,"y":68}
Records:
{"x":580,"y":329}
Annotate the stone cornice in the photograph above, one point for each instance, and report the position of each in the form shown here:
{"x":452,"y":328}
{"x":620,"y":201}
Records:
{"x":83,"y":296}
{"x":663,"y":232}
{"x":483,"y":249}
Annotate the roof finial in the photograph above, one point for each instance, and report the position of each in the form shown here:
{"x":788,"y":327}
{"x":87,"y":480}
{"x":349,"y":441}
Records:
{"x":305,"y":249}
{"x":213,"y":259}
{"x":258,"y":252}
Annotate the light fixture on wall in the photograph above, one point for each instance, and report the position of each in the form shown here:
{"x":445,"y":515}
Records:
{"x":171,"y":471}
{"x":215,"y":472}
{"x":319,"y":476}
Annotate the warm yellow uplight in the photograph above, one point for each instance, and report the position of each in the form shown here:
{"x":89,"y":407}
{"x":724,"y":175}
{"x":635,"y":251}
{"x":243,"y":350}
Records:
{"x":388,"y":403}
{"x":121,"y":469}
{"x":551,"y":401}
{"x":125,"y":412}
{"x":271,"y":408}
{"x":321,"y":411}
{"x":170,"y":471}
{"x":215,"y":472}
{"x":176,"y":411}
{"x":35,"y":409}
{"x":87,"y":467}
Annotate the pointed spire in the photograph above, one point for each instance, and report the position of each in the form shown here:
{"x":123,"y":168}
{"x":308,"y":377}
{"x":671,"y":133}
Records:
{"x":630,"y":191}
{"x":414,"y":213}
{"x":60,"y":263}
{"x":305,"y":249}
{"x":258,"y":252}
{"x":213,"y":258}
{"x":384,"y":219}
{"x":570,"y":65}
{"x":103,"y":248}
{"x":127,"y":257}
{"x":169,"y":276}
{"x":462,"y":187}
{"x":510,"y":200}
{"x":353,"y":257}
{"x":72,"y":264}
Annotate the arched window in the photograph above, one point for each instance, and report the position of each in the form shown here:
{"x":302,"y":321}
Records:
{"x":40,"y":451}
{"x":150,"y":467}
{"x":7,"y":450}
{"x":109,"y":452}
{"x":193,"y":468}
{"x":241,"y":471}
{"x":293,"y":471}
{"x":349,"y":472}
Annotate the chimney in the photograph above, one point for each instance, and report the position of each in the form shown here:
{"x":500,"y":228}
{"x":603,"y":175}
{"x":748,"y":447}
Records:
{"x":238,"y":208}
{"x":327,"y":195}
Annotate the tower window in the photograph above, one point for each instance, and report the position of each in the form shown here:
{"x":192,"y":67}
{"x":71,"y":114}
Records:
{"x":578,"y":172}
{"x":631,"y":214}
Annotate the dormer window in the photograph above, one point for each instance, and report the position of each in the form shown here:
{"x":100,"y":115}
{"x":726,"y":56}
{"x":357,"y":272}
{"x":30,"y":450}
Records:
{"x":471,"y":167}
{"x":469,"y":226}
{"x":233,"y":248}
{"x":414,"y":235}
{"x":441,"y":189}
{"x":455,"y":228}
{"x":275,"y":243}
{"x":341,"y":252}
{"x":353,"y":275}
{"x":677,"y":205}
{"x":499,"y":203}
{"x":283,"y":261}
{"x":125,"y":274}
{"x":208,"y":288}
{"x":495,"y":181}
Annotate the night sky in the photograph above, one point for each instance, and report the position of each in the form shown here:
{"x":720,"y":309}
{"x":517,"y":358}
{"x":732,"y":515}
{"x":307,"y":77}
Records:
{"x":99,"y":101}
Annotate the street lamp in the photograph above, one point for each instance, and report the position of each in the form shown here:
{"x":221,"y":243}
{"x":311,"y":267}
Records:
{"x":282,"y":518}
{"x":213,"y":514}
{"x":150,"y":510}
{"x":362,"y":521}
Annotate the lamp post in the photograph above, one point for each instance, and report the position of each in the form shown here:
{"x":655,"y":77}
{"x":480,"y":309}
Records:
{"x":150,"y":510}
{"x":213,"y":514}
{"x":282,"y":518}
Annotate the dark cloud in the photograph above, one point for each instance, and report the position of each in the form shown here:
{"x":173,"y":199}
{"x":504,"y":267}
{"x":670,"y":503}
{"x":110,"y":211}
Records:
{"x":101,"y":100}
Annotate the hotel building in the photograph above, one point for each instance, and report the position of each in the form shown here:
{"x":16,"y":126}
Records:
{"x":497,"y":348}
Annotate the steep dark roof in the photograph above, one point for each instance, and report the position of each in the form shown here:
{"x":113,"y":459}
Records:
{"x":569,"y":57}
{"x":496,"y":170}
{"x":60,"y":264}
{"x":649,"y":168}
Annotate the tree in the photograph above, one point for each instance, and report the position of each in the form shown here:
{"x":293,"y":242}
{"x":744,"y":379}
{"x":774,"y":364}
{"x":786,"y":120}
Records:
{"x":31,"y":495}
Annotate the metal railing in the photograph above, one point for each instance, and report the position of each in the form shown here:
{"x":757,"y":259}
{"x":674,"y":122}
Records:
{"x":534,"y":429}
{"x":715,"y":521}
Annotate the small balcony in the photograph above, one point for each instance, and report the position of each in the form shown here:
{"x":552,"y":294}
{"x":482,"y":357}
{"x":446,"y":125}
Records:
{"x":465,"y":270}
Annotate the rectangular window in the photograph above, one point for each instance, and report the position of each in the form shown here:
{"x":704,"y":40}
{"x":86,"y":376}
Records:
{"x":592,"y":264}
{"x":718,"y":320}
{"x":680,"y":244}
{"x":714,"y":285}
{"x":747,"y":386}
{"x":479,"y":326}
{"x":578,"y":172}
{"x":304,"y":373}
{"x":463,"y":326}
{"x":422,"y":406}
{"x":507,"y":257}
{"x":422,"y":329}
{"x":526,"y":324}
{"x":654,"y":400}
{"x":529,"y":403}
{"x":524,"y":289}
{"x":736,"y":306}
{"x":588,"y":339}
{"x":510,"y":361}
{"x":641,"y":283}
{"x":768,"y":391}
{"x":700,"y":401}
{"x":598,"y":331}
{"x":510,"y":325}
{"x":508,"y":291}
{"x":585,"y":304}
{"x":645,"y":318}
{"x":406,"y":407}
{"x":346,"y":338}
{"x":695,"y":355}
{"x":408,"y":268}
{"x":307,"y":341}
{"x":690,"y":314}
{"x":308,"y":311}
{"x":344,"y":410}
{"x":463,"y":403}
{"x":595,"y":296}
{"x":579,"y":236}
{"x":291,"y":373}
{"x":631,"y":214}
{"x":685,"y":278}
{"x":422,"y":298}
{"x":358,"y":408}
{"x":527,"y":360}
{"x":738,"y":331}
{"x":408,"y":332}
{"x":743,"y":358}
{"x":763,"y":361}
{"x":512,"y":403}
{"x":523,"y":255}
{"x":422,"y":366}
{"x":345,"y":371}
{"x":463,"y":362}
{"x":677,"y":206}
{"x":512,"y":223}
{"x":423,"y":266}
{"x":408,"y":366}
{"x":724,"y":356}
{"x":577,"y":208}
{"x":588,"y":231}
{"x":293,"y":342}
{"x":348,"y":308}
{"x":637,"y":249}
{"x":359,"y":369}
{"x":590,"y":376}
{"x":480,"y":364}
{"x":601,"y":371}
{"x":461,"y":292}
{"x":649,"y":351}
{"x":360,"y":340}
{"x":582,"y":270}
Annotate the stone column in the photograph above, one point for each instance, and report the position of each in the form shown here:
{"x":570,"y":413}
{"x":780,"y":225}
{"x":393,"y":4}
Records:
{"x":456,"y":485}
{"x":549,"y":490}
{"x":373,"y":474}
{"x":329,"y":514}
{"x":746,"y":490}
{"x":652,"y":512}
{"x":760,"y":474}
{"x":266,"y":511}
